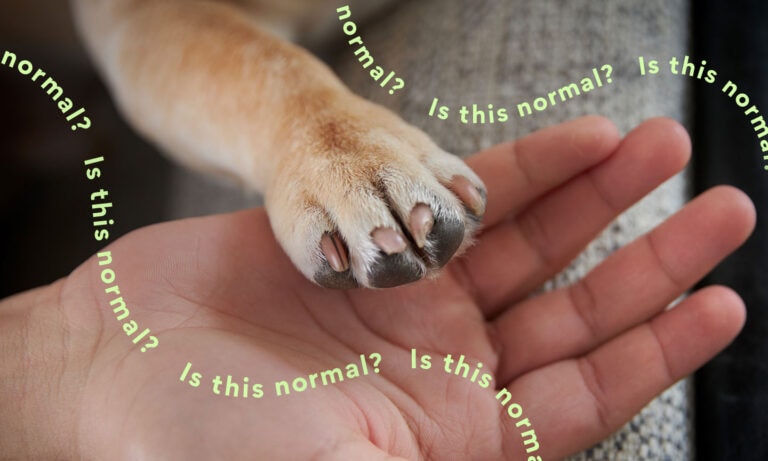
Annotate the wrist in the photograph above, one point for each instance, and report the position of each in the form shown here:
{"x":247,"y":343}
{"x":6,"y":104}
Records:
{"x":39,"y":377}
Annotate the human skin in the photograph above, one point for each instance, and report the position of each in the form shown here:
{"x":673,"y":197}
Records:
{"x":219,"y":293}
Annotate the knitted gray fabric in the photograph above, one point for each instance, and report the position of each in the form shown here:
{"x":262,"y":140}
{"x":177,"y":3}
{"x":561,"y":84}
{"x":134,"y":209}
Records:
{"x":503,"y":53}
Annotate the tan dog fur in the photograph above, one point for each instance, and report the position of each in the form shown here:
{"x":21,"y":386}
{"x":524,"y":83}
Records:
{"x":213,"y":88}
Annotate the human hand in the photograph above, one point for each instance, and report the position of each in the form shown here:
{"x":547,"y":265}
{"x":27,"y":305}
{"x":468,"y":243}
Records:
{"x":219,"y":293}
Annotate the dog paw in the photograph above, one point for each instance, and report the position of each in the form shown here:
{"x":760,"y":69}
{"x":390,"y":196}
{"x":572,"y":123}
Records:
{"x":366,"y":200}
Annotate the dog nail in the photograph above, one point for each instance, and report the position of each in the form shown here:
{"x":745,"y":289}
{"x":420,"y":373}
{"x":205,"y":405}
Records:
{"x":335,"y":252}
{"x":389,"y":240}
{"x":468,"y":193}
{"x":421,"y":223}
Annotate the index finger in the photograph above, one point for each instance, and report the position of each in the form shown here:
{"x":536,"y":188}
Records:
{"x":517,"y":172}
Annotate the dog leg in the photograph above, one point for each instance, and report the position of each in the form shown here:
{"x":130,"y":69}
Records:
{"x":356,"y":196}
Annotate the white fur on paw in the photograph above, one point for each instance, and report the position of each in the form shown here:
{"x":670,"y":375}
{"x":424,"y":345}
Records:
{"x":352,"y":206}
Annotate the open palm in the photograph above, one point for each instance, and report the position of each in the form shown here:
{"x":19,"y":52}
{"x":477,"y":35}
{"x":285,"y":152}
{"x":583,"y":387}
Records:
{"x":223,"y":300}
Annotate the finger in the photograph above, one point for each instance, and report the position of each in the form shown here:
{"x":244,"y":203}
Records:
{"x":516,"y":256}
{"x":576,"y":403}
{"x":629,"y":287}
{"x":519,"y":171}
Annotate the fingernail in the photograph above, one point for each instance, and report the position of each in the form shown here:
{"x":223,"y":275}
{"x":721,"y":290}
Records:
{"x":335,"y":252}
{"x":421,"y":223}
{"x":389,"y":240}
{"x":468,"y":193}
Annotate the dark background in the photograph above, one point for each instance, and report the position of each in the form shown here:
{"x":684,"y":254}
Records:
{"x":45,"y":221}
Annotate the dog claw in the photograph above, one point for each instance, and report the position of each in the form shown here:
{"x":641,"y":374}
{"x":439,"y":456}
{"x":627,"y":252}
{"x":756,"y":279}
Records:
{"x":389,"y":240}
{"x":421,"y":223}
{"x":468,"y":194}
{"x":335,"y":251}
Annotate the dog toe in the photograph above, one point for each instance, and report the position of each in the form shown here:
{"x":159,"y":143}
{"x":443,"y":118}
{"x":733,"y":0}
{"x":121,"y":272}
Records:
{"x":472,"y":197}
{"x":391,"y":270}
{"x":327,"y":277}
{"x":444,"y":240}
